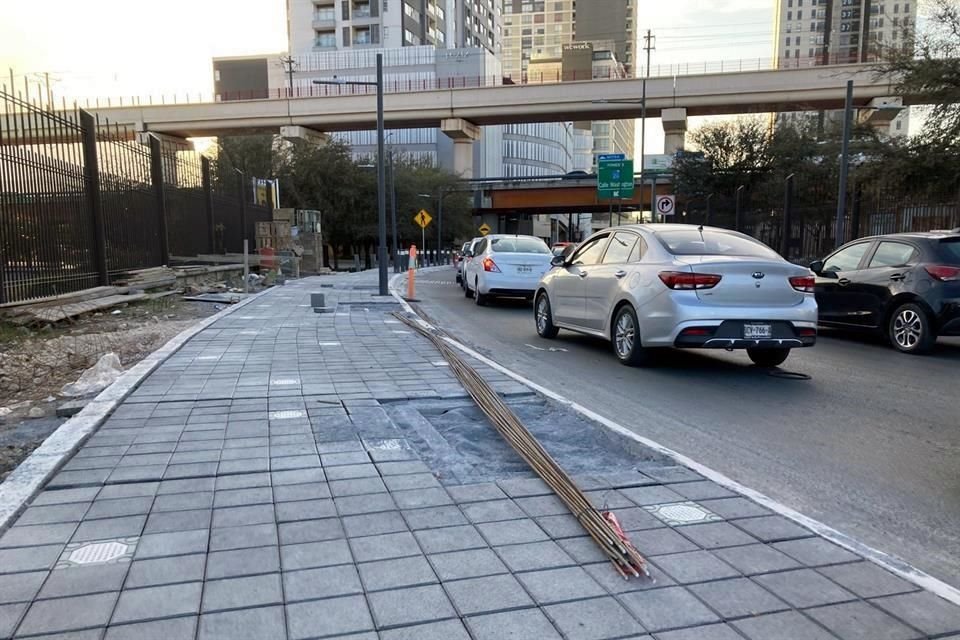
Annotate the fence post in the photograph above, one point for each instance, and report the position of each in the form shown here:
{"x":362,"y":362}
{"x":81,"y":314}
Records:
{"x":208,"y":204}
{"x":855,"y":212}
{"x":787,"y":215}
{"x":91,"y":171}
{"x":156,"y":177}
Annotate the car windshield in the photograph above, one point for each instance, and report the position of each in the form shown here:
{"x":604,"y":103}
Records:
{"x":950,"y":250}
{"x":519,"y":245}
{"x":692,"y":242}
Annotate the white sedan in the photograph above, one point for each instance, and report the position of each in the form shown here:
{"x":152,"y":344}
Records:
{"x":675,"y":285}
{"x":508,"y":266}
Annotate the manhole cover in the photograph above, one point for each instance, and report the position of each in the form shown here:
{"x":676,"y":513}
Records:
{"x":286,"y":415}
{"x":680,"y":513}
{"x":81,"y":554}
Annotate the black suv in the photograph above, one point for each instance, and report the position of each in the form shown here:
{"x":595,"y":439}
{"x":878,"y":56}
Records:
{"x":905,"y":285}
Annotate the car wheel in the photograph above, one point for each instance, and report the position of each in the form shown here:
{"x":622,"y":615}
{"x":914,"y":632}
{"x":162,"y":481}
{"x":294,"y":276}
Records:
{"x":543,"y":316}
{"x":467,"y":293}
{"x":910,"y":330}
{"x":626,"y":338}
{"x":478,"y":297}
{"x":768,"y":357}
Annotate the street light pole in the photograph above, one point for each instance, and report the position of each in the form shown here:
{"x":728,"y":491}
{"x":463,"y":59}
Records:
{"x":393,"y":214}
{"x":440,"y":226}
{"x":839,"y":231}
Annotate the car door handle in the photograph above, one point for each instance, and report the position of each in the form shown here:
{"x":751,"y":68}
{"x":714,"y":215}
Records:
{"x":620,"y":274}
{"x":582,"y":274}
{"x":898,"y":276}
{"x":843,"y":282}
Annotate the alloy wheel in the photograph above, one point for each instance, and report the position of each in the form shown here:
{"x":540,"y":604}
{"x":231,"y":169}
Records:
{"x":543,"y":310}
{"x":907,"y":329}
{"x":624,"y":335}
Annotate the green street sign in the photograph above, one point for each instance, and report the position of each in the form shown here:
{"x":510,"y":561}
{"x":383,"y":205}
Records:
{"x":614,"y":178}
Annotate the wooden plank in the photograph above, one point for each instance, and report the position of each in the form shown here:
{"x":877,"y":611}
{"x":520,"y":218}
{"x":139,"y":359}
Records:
{"x":63,"y":312}
{"x":76,"y":296}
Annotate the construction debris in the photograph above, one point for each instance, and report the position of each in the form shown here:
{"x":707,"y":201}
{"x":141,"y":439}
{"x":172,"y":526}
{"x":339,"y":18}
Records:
{"x":96,"y":378}
{"x":55,"y":313}
{"x":602,"y":527}
{"x":147,"y":279}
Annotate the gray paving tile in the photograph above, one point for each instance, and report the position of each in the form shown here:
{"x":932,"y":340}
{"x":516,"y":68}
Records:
{"x":524,"y":624}
{"x":242,"y":593}
{"x":402,"y":467}
{"x":243,"y":497}
{"x":63,"y":496}
{"x":583,"y":549}
{"x":65,"y":614}
{"x":315,"y":554}
{"x":298,"y":476}
{"x":450,"y":539}
{"x":183,"y":501}
{"x":815,"y":552}
{"x":39,"y":534}
{"x":240,"y":516}
{"x":738,"y":598}
{"x":492,"y":511}
{"x":644,"y":496}
{"x":10,"y":615}
{"x":432,"y":517}
{"x":242,"y":562}
{"x":242,"y":481}
{"x":127,"y":527}
{"x":512,"y":532}
{"x":384,"y":546}
{"x":357,"y":487}
{"x":170,"y":629}
{"x":804,"y":588}
{"x":334,"y":616}
{"x":119,"y":508}
{"x":249,"y":624}
{"x":756,"y":558}
{"x":419,"y":498}
{"x":397,"y":572}
{"x":701,"y":490}
{"x":562,"y":526}
{"x":534,"y":556}
{"x":77,"y":581}
{"x":311,"y":531}
{"x":243,"y":537}
{"x":668,"y":608}
{"x":730,"y":508}
{"x":148,"y":573}
{"x":523,"y":487}
{"x":323,"y":582}
{"x":789,"y":625}
{"x":472,"y":563}
{"x":178,"y":521}
{"x":715,"y":535}
{"x":29,"y":558}
{"x":559,"y":585}
{"x":476,"y":492}
{"x":923,"y":610}
{"x":400,"y":607}
{"x":613,"y":582}
{"x":21,"y":588}
{"x":173,"y":543}
{"x":596,"y":619}
{"x":695,"y":566}
{"x":867,"y":580}
{"x":772,"y":528}
{"x":705,"y":632}
{"x":292,"y":492}
{"x":664,"y":540}
{"x":374,"y":523}
{"x":536,"y":506}
{"x":487,"y":594}
{"x":351,"y":471}
{"x":443,"y":630}
{"x":860,"y":621}
{"x":368,"y":503}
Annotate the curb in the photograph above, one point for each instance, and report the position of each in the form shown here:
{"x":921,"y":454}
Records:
{"x":32,"y":474}
{"x":891,"y":563}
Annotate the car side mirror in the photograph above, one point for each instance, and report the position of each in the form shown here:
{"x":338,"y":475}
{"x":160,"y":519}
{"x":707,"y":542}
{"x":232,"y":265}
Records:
{"x":468,"y":254}
{"x":558,"y":261}
{"x":816,"y":266}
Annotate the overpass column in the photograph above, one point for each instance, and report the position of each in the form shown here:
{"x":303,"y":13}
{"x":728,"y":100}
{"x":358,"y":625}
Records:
{"x":463,"y":133}
{"x":674,"y":129}
{"x":880,"y":113}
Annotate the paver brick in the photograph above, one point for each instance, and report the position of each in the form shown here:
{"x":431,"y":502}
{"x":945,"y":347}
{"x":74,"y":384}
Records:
{"x":668,"y":608}
{"x":559,"y":585}
{"x":372,"y":503}
{"x":171,"y":628}
{"x":860,"y":621}
{"x":183,"y":501}
{"x":730,"y":508}
{"x":315,"y":554}
{"x":310,"y":531}
{"x":247,"y":536}
{"x":470,"y":563}
{"x":384,"y":546}
{"x":173,"y":543}
{"x":755,"y":558}
{"x":21,"y":588}
{"x":804,"y":588}
{"x":38,"y":534}
{"x":772,"y":528}
{"x":109,"y":528}
{"x":482,"y":492}
{"x":523,"y":624}
{"x":715,"y":535}
{"x":158,"y":602}
{"x":492,"y":511}
{"x":705,"y":632}
{"x":432,"y":517}
{"x":399,"y":607}
{"x":76,"y":581}
{"x":534,"y":555}
{"x":177,"y":521}
{"x":10,"y":615}
{"x":442,"y":630}
{"x":738,"y":598}
{"x":695,"y":566}
{"x":395,"y":573}
{"x":240,"y":516}
{"x":923,"y":610}
{"x":242,"y":593}
{"x":333,"y":616}
{"x":321,"y":582}
{"x":596,"y":619}
{"x":294,"y":492}
{"x":118,"y":508}
{"x":249,"y":624}
{"x":450,"y":539}
{"x":512,"y":532}
{"x":242,"y":562}
{"x":29,"y":558}
{"x":815,"y":552}
{"x":487,"y":594}
{"x":148,"y":573}
{"x":419,"y":498}
{"x":374,"y":523}
{"x":867,"y":580}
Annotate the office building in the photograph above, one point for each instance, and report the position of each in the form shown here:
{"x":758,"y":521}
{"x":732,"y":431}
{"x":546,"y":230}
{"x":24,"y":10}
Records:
{"x":825,"y":32}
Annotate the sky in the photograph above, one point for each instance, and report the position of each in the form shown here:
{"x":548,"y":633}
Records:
{"x":119,"y":47}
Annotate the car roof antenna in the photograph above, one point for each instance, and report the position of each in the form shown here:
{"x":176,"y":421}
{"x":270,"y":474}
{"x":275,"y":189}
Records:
{"x":700,"y":229}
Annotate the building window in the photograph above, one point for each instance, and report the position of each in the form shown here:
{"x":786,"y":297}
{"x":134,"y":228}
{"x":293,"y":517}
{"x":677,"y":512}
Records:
{"x":789,"y":16}
{"x":799,"y":15}
{"x":896,"y":8}
{"x":325,"y":14}
{"x":325,"y":40}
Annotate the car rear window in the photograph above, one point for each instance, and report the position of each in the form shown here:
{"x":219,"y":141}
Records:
{"x":519,"y":245}
{"x":950,"y":250}
{"x":691,"y":242}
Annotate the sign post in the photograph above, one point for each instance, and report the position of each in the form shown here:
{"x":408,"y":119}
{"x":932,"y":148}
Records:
{"x":614,"y":178}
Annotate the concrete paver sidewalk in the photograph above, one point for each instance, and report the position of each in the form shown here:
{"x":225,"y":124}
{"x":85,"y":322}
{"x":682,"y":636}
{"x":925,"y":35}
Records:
{"x":271,"y":480}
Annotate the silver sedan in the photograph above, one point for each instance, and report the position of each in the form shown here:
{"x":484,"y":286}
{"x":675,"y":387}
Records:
{"x":676,"y":285}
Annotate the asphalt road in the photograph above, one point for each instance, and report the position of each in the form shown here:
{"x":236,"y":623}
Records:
{"x":869,"y":445}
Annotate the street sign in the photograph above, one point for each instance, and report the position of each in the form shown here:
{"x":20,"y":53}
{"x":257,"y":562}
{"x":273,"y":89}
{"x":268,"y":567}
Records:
{"x":611,"y":156}
{"x":657,"y":162}
{"x":484,"y":229}
{"x":423,"y":219}
{"x":614,"y":178}
{"x":666,"y":205}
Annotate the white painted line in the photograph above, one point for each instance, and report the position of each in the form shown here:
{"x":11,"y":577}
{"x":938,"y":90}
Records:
{"x":33,"y":473}
{"x":890,"y":563}
{"x":329,"y":344}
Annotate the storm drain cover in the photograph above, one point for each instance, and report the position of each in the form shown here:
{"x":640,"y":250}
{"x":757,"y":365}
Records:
{"x":680,"y":513}
{"x":101,"y":552}
{"x":288,"y":414}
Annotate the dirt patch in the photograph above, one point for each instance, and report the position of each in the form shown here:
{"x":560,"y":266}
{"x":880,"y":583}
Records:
{"x":35,"y":363}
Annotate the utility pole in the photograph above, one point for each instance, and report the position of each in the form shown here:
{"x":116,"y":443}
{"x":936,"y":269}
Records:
{"x":839,"y":231}
{"x":289,"y":63}
{"x":649,"y":43}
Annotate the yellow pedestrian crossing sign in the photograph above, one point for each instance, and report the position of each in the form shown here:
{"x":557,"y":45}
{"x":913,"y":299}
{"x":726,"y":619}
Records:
{"x":423,"y":219}
{"x":484,"y":228}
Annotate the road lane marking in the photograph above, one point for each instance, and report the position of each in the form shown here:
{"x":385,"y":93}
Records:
{"x":889,"y":562}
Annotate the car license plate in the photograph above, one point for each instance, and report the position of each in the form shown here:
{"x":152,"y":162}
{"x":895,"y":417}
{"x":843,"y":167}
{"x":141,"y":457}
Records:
{"x":524,"y":268}
{"x":757,"y":331}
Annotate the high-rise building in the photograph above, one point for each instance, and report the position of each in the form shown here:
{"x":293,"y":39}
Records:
{"x":825,"y":32}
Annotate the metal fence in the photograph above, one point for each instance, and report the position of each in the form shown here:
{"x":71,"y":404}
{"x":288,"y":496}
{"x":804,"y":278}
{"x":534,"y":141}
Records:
{"x":82,"y":202}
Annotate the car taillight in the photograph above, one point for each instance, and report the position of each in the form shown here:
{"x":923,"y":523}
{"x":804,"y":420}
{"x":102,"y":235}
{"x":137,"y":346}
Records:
{"x":490,"y":265}
{"x":697,"y":331}
{"x":803,"y":283}
{"x":686,"y":280}
{"x":943,"y":273}
{"x":806,"y":332}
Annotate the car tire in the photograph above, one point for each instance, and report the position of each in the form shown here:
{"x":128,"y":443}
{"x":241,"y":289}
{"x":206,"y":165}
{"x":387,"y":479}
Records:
{"x":545,"y":326}
{"x":479,"y":298}
{"x":467,"y":293}
{"x":625,"y":338}
{"x":768,"y":357}
{"x":910,"y":329}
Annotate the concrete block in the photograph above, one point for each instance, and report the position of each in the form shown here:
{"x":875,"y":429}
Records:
{"x":158,"y":602}
{"x":714,"y":535}
{"x":109,"y":528}
{"x":772,"y":528}
{"x":398,"y":572}
{"x":242,"y":562}
{"x":923,"y":610}
{"x":382,"y":547}
{"x":432,"y":517}
{"x":242,"y":593}
{"x":303,"y":510}
{"x":804,"y":588}
{"x":860,"y":620}
{"x":174,"y":543}
{"x":400,"y":607}
{"x":867,"y":580}
{"x":755,"y":559}
{"x":177,"y":521}
{"x":77,"y":581}
{"x":738,"y":598}
{"x":419,"y":498}
{"x":560,"y":585}
{"x":442,"y":630}
{"x":668,"y":608}
{"x":450,"y":539}
{"x":705,"y":632}
{"x":315,"y":554}
{"x":789,"y":625}
{"x":261,"y":622}
{"x":369,"y":524}
{"x":487,"y":595}
{"x":525,"y":623}
{"x":158,"y":571}
{"x":334,"y":616}
{"x":368,"y":503}
{"x":815,"y":552}
{"x":171,"y":628}
{"x":310,"y":531}
{"x":695,"y":566}
{"x":321,"y":582}
{"x":534,"y":555}
{"x":492,"y":511}
{"x":183,"y":501}
{"x":593,"y":619}
{"x":471,"y":563}
{"x":65,"y":614}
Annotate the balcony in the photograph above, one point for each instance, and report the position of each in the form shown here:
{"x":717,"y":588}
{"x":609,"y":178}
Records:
{"x":361,"y":10}
{"x":324,"y":20}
